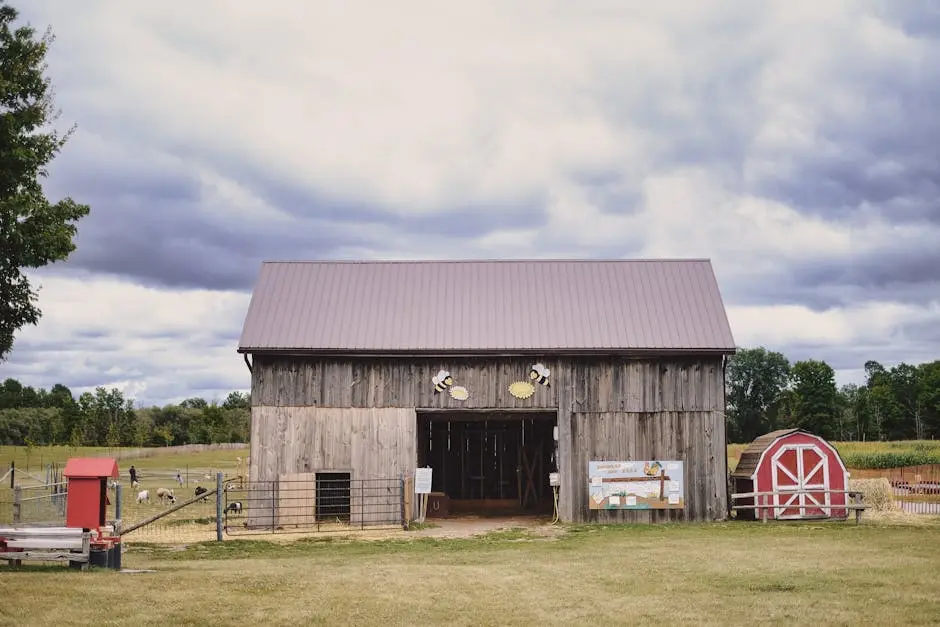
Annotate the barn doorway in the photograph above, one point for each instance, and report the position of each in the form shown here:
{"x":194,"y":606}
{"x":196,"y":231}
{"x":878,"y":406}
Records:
{"x":488,"y":463}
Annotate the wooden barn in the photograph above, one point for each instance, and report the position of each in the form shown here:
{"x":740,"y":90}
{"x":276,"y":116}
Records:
{"x":496,"y":374}
{"x":799,"y":469}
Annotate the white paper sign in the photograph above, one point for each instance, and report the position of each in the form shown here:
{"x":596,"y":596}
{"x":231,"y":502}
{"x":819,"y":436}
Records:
{"x":631,"y":500}
{"x":673,"y":499}
{"x":597,"y":481}
{"x":613,"y":500}
{"x":554,"y":479}
{"x":422,"y":481}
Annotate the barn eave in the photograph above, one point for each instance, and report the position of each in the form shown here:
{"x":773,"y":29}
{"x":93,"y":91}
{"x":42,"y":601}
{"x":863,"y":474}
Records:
{"x":487,"y":352}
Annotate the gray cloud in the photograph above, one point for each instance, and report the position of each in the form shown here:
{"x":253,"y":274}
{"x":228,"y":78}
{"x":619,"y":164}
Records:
{"x":151,"y":222}
{"x":916,"y":19}
{"x":878,"y":133}
{"x":699,"y":101}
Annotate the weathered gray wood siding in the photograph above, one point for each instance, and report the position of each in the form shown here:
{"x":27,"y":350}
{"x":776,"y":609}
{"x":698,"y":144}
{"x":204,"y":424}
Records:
{"x":690,"y":436}
{"x":608,"y":409}
{"x":290,"y":442}
{"x":587,"y":384}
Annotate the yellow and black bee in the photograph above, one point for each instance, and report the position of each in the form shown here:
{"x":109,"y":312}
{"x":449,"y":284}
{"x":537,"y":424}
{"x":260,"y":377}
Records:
{"x":540,"y":372}
{"x":442,"y":380}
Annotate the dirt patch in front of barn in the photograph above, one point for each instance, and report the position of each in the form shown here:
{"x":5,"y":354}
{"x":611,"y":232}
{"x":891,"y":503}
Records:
{"x":456,"y":527}
{"x":469,"y":526}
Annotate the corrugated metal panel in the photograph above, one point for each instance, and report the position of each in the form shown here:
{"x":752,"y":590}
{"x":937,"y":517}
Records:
{"x":750,"y":457}
{"x":487,"y":306}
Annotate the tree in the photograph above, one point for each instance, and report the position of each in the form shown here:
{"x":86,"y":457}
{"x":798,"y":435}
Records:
{"x":33,"y":231}
{"x":907,"y":386}
{"x":237,"y":400}
{"x":815,"y":399}
{"x":930,"y":381}
{"x":755,"y":378}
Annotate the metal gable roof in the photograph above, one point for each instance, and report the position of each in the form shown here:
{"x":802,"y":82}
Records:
{"x":487,"y":306}
{"x":90,"y":467}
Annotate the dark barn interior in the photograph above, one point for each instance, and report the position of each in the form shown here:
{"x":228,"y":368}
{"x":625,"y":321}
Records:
{"x":488,"y":463}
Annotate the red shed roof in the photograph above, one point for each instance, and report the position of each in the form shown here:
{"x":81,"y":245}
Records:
{"x":91,"y":467}
{"x":750,"y":457}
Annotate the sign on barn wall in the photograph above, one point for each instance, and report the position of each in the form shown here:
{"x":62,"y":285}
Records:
{"x":636,"y":485}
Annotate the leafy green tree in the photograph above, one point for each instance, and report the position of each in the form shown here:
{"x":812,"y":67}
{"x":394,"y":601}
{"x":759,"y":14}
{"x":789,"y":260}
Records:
{"x":33,"y":231}
{"x":930,"y":389}
{"x":815,"y":398}
{"x":194,"y":403}
{"x":848,"y":417}
{"x":908,"y":390}
{"x":237,"y":400}
{"x":756,"y":378}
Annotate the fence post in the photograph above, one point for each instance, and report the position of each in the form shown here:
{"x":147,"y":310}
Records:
{"x":218,"y":506}
{"x":275,"y":493}
{"x":362,"y":504}
{"x":401,"y":500}
{"x":118,"y":493}
{"x":17,"y":503}
{"x":12,"y":472}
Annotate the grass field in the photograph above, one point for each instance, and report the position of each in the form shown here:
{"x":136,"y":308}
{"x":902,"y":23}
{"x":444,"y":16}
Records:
{"x":882,"y":571}
{"x":720,"y":574}
{"x":36,"y":460}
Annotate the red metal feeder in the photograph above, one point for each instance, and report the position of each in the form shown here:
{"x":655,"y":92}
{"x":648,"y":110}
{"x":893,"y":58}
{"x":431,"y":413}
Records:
{"x":88,"y":502}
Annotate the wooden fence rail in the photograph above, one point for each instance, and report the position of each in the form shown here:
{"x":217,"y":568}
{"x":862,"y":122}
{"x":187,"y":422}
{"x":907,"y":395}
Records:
{"x":856,"y":505}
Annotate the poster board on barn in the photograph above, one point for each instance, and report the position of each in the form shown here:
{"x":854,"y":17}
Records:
{"x":648,"y":484}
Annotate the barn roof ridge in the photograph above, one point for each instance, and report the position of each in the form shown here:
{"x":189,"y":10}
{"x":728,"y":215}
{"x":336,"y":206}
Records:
{"x":365,"y":306}
{"x":491,"y":260}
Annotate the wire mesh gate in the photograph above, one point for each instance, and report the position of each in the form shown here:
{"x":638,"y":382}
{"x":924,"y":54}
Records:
{"x":322,"y":501}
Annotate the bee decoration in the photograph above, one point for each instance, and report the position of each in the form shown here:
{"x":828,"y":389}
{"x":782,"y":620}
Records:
{"x":540,"y":372}
{"x":442,"y":380}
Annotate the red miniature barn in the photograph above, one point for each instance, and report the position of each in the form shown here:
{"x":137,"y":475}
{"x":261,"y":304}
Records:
{"x":803,"y":472}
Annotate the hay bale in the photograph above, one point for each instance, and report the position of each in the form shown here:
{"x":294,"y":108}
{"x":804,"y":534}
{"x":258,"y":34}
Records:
{"x":879,"y":495}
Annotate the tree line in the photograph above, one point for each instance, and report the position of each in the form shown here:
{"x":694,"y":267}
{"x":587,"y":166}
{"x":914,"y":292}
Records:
{"x":766,"y":392}
{"x":35,"y":417}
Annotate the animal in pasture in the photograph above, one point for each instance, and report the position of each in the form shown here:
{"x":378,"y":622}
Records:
{"x":201,"y":490}
{"x":235,"y":507}
{"x":142,"y":496}
{"x":135,"y":483}
{"x":165,"y":494}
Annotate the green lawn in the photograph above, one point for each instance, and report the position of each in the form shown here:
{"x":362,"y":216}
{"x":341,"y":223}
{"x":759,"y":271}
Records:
{"x":719,"y":574}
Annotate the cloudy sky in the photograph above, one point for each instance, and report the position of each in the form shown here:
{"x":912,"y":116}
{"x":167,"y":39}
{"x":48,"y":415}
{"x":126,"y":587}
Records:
{"x":795,"y":143}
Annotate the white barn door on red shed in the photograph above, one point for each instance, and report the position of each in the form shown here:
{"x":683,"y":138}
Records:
{"x":800,"y":482}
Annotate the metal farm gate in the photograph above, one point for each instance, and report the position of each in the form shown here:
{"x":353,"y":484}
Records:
{"x":317,"y":501}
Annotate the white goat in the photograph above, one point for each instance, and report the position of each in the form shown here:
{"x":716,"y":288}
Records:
{"x":143,"y":495}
